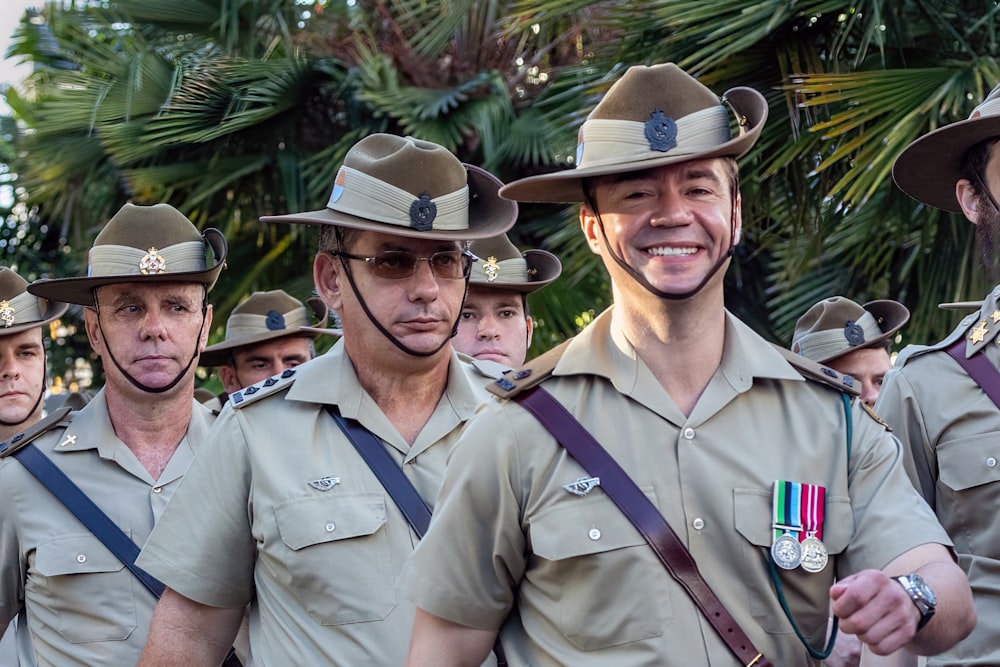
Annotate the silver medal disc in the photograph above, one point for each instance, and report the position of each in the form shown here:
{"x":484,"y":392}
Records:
{"x":814,"y":554}
{"x":786,"y":552}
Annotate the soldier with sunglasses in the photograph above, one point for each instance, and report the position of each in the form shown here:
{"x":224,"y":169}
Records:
{"x":282,"y":513}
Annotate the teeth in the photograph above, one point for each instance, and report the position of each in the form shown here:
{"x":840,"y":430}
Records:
{"x":667,"y":252}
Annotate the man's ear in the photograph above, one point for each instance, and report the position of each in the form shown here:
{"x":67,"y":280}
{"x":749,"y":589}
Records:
{"x":228,"y":377}
{"x":967,"y":198}
{"x":589,"y":224}
{"x":328,"y":273}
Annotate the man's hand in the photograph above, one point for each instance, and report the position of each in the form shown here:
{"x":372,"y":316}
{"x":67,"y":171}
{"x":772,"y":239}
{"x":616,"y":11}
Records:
{"x":875,"y":608}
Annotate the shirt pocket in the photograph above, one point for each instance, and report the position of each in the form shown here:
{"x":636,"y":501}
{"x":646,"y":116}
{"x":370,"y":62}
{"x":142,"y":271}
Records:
{"x":82,"y":589}
{"x":807,"y":593}
{"x":337,"y":556}
{"x":587,"y":555}
{"x":967,"y":463}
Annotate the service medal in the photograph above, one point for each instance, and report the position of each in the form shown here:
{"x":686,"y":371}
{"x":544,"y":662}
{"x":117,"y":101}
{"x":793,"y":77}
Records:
{"x":786,"y":552}
{"x":814,"y":554}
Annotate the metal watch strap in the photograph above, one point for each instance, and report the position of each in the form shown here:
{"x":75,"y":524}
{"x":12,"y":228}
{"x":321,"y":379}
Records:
{"x":979,"y":369}
{"x":634,"y":504}
{"x":95,"y":520}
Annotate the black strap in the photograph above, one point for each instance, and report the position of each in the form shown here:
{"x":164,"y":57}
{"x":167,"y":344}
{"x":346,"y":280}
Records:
{"x":95,"y":520}
{"x":395,"y":482}
{"x":643,"y":514}
{"x":392,"y":477}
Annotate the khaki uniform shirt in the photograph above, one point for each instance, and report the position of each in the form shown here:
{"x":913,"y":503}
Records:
{"x":585,"y":587}
{"x":950,"y":431}
{"x":83,"y":607}
{"x":281,"y":512}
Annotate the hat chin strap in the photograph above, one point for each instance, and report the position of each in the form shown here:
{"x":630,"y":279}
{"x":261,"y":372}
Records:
{"x":34,"y":407}
{"x":639,"y":278}
{"x":385,"y":332}
{"x":135,"y":383}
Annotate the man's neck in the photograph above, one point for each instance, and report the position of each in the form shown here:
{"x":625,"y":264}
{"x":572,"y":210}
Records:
{"x":7,"y":432}
{"x":407,"y":393}
{"x":681,"y":342}
{"x":151,"y":425}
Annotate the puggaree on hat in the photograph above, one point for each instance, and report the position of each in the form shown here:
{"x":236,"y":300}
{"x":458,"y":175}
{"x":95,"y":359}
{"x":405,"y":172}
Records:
{"x":408,"y":187}
{"x":835,"y":326}
{"x":142,"y":244}
{"x":928,"y":168}
{"x":20,"y":310}
{"x":651,"y":117}
{"x":266,"y":316}
{"x":502,"y":266}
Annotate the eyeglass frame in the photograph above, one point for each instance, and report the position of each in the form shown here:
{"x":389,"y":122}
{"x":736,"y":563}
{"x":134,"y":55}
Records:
{"x":465,"y":255}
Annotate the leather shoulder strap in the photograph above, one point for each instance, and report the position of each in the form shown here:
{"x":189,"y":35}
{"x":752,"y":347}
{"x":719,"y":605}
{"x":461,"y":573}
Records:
{"x":979,"y":369}
{"x":61,"y":417}
{"x":647,"y":519}
{"x":528,"y":375}
{"x":811,"y":370}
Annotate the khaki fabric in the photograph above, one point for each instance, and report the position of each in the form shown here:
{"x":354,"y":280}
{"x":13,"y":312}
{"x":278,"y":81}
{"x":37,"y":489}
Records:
{"x":950,"y":431}
{"x":83,"y":606}
{"x":318,"y":567}
{"x":586,"y":588}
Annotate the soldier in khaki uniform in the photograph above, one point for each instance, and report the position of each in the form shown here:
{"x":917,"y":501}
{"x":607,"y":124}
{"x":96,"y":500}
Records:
{"x":703,"y":415}
{"x":147,"y":318}
{"x":281,"y":512}
{"x":495,"y":324}
{"x":852,"y":339}
{"x":949,"y":427}
{"x":22,"y":374}
{"x":265,"y":334}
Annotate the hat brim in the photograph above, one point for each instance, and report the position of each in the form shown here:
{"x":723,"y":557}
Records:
{"x":545,"y":266}
{"x":928,"y":169}
{"x":219,"y":354}
{"x":961,"y":305}
{"x":53,"y":311}
{"x":567,"y":186}
{"x":489,"y":214}
{"x":80,"y":291}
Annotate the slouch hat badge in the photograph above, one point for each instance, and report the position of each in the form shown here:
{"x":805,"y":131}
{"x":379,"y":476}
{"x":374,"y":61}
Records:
{"x":6,"y":314}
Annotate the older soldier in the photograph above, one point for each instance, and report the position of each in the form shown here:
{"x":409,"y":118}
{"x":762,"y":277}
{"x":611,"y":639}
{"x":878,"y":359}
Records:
{"x":700,"y":417}
{"x":852,"y":339}
{"x":22,"y":373}
{"x":313,"y":537}
{"x":147,"y":319}
{"x":495,"y":324}
{"x":266,"y":334}
{"x":941,"y":399}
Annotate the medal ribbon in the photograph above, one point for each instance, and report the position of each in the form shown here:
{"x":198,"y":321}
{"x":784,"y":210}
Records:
{"x":787,"y":509}
{"x":814,"y":503}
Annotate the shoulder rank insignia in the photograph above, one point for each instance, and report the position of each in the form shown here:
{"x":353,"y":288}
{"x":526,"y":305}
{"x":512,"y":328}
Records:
{"x":255,"y":392}
{"x":811,"y":370}
{"x":871,"y":413}
{"x":528,"y":375}
{"x":60,"y":417}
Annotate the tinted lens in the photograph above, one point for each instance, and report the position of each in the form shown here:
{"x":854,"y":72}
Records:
{"x":450,"y":265}
{"x":394,"y":264}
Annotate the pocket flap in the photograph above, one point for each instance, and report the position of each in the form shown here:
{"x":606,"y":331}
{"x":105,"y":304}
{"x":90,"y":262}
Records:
{"x":74,"y":554}
{"x":582,"y":526}
{"x":969,"y":462}
{"x":304,"y":522}
{"x":752,"y":511}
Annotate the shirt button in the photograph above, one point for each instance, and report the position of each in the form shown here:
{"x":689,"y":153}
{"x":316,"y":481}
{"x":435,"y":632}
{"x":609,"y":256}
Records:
{"x":330,"y":527}
{"x":698,"y":523}
{"x":689,"y":433}
{"x":991,"y":462}
{"x":157,"y":489}
{"x":81,"y":558}
{"x":594,"y":534}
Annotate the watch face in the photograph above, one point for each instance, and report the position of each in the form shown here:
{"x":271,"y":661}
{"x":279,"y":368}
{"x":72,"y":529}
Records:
{"x":920,"y":587}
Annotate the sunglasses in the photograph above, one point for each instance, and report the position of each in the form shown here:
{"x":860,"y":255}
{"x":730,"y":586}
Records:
{"x":402,"y":264}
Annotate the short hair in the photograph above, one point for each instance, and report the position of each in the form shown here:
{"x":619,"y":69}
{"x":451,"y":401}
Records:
{"x":589,"y":184}
{"x":333,"y":238}
{"x":974,"y":164}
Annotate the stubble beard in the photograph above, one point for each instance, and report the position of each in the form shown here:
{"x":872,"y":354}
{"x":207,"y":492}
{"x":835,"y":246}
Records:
{"x":987,"y":231}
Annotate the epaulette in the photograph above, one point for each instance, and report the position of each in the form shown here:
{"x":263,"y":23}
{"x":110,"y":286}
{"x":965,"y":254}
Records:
{"x":255,"y":392}
{"x":60,"y":417}
{"x":811,"y":370}
{"x":528,"y":375}
{"x":878,"y":420}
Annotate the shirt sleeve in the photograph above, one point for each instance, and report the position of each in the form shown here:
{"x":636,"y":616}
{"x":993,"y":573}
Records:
{"x":13,"y":566}
{"x":203,"y":546}
{"x":467,"y":567}
{"x":897,"y":404}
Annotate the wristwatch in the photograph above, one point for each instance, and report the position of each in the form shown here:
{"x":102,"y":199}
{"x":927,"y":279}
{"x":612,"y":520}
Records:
{"x":921,"y":594}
